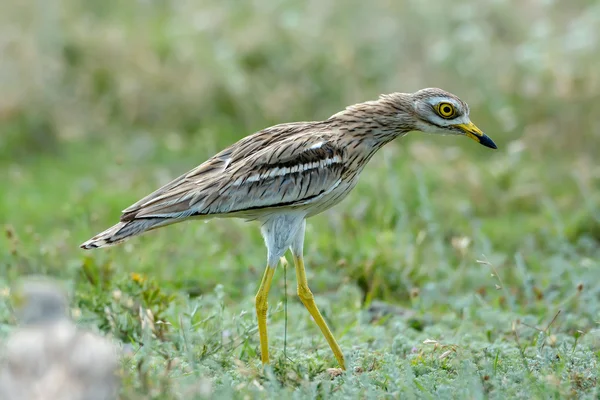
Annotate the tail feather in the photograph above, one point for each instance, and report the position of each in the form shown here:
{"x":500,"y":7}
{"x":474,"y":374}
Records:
{"x":123,"y":231}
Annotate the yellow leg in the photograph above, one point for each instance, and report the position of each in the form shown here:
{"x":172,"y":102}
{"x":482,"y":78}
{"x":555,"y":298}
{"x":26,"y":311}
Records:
{"x":308,"y":299}
{"x":261,"y":312}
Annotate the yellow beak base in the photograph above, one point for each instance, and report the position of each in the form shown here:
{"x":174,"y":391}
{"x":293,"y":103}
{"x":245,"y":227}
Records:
{"x":472,"y":131}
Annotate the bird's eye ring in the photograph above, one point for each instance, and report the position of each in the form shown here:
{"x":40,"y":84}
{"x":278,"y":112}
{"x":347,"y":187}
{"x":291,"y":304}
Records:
{"x":445,"y":110}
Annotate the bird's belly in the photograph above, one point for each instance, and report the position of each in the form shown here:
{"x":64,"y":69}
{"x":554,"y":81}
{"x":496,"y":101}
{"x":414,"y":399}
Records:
{"x":332,"y":198}
{"x":311,"y":208}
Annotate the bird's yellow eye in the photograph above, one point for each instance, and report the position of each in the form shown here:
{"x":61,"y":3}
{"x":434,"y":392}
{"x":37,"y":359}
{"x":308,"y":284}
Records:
{"x":446,"y":110}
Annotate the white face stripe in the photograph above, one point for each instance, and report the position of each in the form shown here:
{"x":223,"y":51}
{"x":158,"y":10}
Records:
{"x":441,"y":99}
{"x":462,"y":119}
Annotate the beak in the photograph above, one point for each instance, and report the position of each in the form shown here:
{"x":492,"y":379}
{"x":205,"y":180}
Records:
{"x":475,"y":133}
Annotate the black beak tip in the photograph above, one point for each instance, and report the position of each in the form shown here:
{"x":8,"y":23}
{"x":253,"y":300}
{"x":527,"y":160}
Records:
{"x":487,"y":142}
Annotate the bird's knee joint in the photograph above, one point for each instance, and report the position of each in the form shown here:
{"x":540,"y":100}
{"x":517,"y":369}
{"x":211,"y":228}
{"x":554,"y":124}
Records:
{"x":305,"y":294}
{"x":261,"y":304}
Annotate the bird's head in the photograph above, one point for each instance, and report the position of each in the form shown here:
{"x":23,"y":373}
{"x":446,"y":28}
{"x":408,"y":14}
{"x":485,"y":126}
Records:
{"x":437,"y":111}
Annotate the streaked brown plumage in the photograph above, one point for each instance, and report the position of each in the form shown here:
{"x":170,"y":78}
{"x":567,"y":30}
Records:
{"x":289,"y":172}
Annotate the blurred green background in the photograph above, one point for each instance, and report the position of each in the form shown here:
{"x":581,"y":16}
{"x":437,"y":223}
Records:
{"x":103,"y":101}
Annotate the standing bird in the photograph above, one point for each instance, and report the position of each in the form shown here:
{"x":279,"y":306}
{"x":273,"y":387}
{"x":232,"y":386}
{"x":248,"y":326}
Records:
{"x":48,"y":357}
{"x":284,"y":174}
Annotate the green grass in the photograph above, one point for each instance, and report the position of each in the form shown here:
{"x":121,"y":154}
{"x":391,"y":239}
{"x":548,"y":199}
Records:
{"x":451,"y":271}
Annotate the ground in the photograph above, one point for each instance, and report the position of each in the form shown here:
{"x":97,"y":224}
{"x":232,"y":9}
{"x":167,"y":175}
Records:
{"x":451,"y":271}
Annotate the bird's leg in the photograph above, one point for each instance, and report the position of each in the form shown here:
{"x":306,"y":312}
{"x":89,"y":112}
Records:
{"x":308,"y":299}
{"x":261,"y":312}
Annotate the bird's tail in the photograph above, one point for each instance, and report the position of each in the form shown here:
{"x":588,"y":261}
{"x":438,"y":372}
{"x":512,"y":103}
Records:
{"x":123,"y":231}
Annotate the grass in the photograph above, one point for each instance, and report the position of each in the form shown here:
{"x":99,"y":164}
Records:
{"x":450,"y":272}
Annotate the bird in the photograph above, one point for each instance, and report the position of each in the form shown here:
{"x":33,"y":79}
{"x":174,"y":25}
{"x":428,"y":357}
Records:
{"x":284,"y":174}
{"x":48,"y":357}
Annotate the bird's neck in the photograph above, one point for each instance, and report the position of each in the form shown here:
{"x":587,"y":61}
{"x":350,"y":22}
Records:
{"x":375,"y":123}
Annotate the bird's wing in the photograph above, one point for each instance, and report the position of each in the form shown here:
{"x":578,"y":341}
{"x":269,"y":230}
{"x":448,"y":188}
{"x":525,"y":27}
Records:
{"x":281,"y":166}
{"x":216,"y":165}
